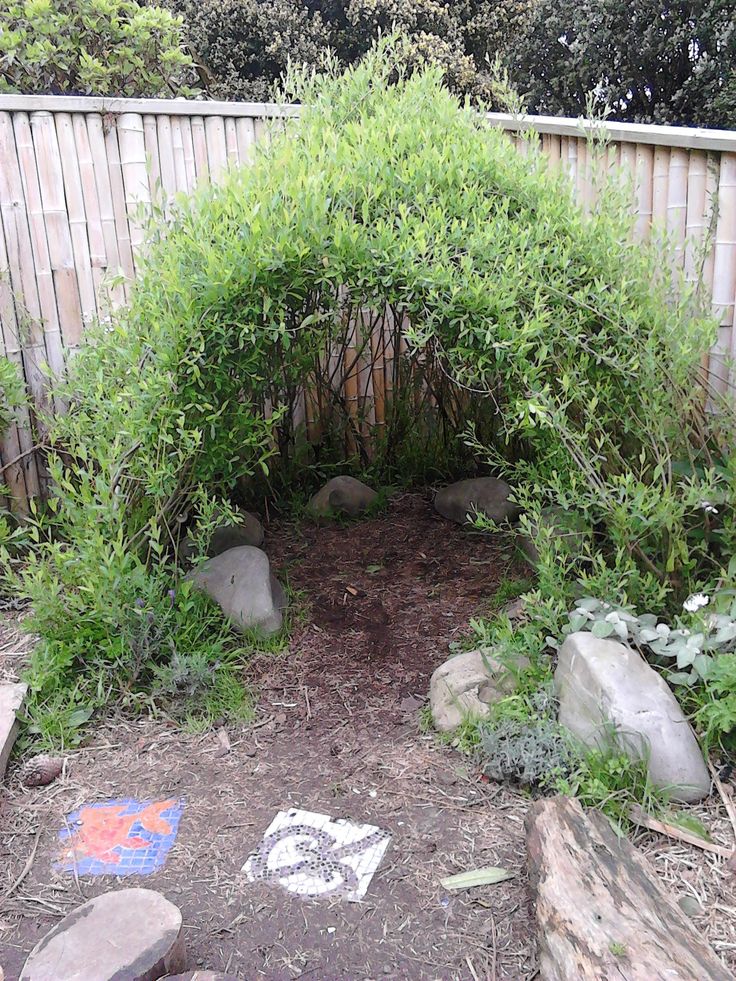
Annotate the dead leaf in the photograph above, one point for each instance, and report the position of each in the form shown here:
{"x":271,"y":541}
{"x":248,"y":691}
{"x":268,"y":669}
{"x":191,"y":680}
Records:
{"x":477,"y":877}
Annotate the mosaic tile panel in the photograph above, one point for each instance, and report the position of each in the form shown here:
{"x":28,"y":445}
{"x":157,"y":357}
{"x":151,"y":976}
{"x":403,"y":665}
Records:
{"x":315,"y":855}
{"x":119,"y":837}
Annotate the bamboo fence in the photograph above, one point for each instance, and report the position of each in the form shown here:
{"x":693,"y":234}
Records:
{"x":76,"y":174}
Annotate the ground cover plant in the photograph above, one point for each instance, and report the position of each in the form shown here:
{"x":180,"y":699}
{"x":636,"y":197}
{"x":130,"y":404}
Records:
{"x":562,"y":343}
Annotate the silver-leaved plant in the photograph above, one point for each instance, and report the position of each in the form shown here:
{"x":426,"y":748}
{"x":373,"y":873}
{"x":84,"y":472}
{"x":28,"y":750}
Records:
{"x":710,"y":631}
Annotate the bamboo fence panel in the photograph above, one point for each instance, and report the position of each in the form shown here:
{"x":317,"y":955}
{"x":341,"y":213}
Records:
{"x":78,"y":176}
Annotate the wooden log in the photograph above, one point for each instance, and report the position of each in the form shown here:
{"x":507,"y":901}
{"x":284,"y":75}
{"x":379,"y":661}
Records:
{"x":601,"y":913}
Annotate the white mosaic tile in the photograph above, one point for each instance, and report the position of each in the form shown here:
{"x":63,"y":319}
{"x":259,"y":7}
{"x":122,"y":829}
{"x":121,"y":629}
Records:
{"x":315,"y":855}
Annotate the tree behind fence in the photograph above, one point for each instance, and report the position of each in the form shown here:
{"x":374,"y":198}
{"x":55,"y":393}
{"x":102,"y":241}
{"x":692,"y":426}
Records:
{"x":77,"y":173}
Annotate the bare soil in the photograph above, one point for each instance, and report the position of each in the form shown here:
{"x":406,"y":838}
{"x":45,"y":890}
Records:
{"x":338,"y":731}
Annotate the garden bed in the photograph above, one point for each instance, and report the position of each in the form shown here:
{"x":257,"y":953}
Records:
{"x":338,"y":730}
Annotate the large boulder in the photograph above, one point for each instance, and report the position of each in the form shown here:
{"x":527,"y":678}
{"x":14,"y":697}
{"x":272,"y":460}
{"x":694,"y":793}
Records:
{"x":609,"y":694}
{"x":240,"y":582}
{"x":489,"y":495}
{"x":465,"y":686}
{"x":342,"y":495}
{"x":135,"y":934}
{"x":11,"y":699}
{"x":568,"y":528}
{"x":249,"y":531}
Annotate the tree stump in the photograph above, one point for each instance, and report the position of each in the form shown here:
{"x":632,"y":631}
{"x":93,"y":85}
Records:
{"x":128,"y":935}
{"x":601,"y":913}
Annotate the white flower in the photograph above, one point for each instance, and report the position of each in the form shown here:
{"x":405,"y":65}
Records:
{"x":708,"y":507}
{"x":695,"y":602}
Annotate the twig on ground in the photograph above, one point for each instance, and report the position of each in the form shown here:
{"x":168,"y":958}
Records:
{"x":26,"y":867}
{"x":637,"y":815}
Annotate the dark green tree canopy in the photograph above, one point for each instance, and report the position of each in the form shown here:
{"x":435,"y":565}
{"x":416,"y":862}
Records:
{"x":651,"y":62}
{"x":246,"y":45}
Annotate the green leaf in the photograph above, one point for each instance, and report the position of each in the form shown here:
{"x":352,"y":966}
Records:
{"x":478,"y":877}
{"x":601,"y":628}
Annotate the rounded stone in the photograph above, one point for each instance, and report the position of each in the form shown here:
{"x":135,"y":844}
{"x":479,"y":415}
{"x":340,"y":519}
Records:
{"x":127,"y":935}
{"x":460,"y":502}
{"x":342,"y":495}
{"x":240,"y":582}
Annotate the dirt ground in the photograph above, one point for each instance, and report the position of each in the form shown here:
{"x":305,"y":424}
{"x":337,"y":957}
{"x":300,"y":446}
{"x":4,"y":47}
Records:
{"x":337,"y":732}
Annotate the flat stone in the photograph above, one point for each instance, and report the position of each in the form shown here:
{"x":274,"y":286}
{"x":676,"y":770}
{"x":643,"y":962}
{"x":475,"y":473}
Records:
{"x":488,"y":495}
{"x":465,"y":686}
{"x":11,"y":699}
{"x":609,"y":695}
{"x":127,"y":935}
{"x":568,"y":528}
{"x":240,"y":582}
{"x":342,"y":495}
{"x":227,"y":535}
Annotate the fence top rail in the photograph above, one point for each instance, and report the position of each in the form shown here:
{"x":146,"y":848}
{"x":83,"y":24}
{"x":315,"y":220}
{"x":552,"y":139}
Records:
{"x":678,"y":136}
{"x":145,"y":107}
{"x":675,"y":136}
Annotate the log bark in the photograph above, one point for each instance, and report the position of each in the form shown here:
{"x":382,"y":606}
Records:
{"x":601,"y":913}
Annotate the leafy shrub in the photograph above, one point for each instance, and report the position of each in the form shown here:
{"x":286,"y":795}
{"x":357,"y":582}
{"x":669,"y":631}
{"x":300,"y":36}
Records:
{"x":557,"y":336}
{"x":92,"y":47}
{"x":246,"y":45}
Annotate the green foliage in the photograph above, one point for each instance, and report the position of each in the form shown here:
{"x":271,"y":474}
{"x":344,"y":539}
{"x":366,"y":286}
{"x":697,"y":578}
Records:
{"x":92,"y":47}
{"x":692,"y":643}
{"x":716,"y":715}
{"x":648,"y":62}
{"x":110,"y":627}
{"x":246,"y":45}
{"x":560,"y":340}
{"x":12,"y":392}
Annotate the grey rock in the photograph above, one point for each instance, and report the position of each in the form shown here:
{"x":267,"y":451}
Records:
{"x":11,"y":699}
{"x":134,"y":934}
{"x":609,"y":694}
{"x":466,"y":685}
{"x":489,"y":495}
{"x":240,"y":582}
{"x":569,"y":527}
{"x":227,"y":535}
{"x":342,"y":495}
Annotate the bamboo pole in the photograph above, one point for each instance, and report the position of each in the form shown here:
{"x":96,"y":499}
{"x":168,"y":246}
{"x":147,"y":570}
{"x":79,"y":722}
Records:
{"x":185,"y":126}
{"x":78,"y":226}
{"x":166,"y":161}
{"x":724,"y":268}
{"x":114,"y":245}
{"x":199,"y":145}
{"x":660,"y":181}
{"x":92,"y":211}
{"x":677,"y":191}
{"x":150,"y":139}
{"x":136,"y":188}
{"x":246,"y":133}
{"x":643,"y":190}
{"x":214,"y":128}
{"x":180,"y":165}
